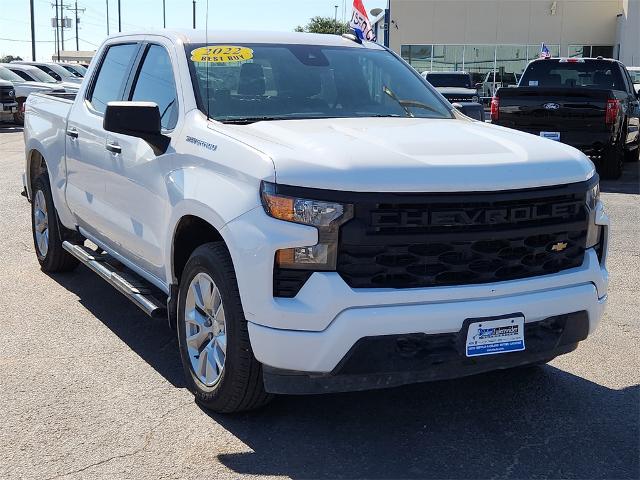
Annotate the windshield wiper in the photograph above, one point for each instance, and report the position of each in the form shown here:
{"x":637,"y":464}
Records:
{"x":389,"y":92}
{"x":248,"y":120}
{"x":405,"y":104}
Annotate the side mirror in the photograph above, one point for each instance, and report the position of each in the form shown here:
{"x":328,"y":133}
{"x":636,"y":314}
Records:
{"x":137,"y":119}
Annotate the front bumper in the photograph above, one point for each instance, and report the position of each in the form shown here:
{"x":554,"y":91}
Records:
{"x":314,"y":331}
{"x":392,"y":360}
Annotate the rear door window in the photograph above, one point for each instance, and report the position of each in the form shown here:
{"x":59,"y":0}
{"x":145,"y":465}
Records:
{"x":155,"y":83}
{"x":112,"y":75}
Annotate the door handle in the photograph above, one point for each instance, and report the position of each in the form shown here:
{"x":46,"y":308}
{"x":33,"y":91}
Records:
{"x":113,"y":147}
{"x":72,"y":132}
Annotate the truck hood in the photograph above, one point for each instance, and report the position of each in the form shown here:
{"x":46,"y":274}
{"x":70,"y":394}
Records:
{"x":411,"y":155}
{"x":23,"y":89}
{"x":457,"y":91}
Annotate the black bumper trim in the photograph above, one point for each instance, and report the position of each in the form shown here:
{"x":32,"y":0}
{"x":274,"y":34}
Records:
{"x":394,"y":360}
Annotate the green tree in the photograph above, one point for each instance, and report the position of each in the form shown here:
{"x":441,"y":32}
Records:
{"x":9,"y":58}
{"x":324,"y":25}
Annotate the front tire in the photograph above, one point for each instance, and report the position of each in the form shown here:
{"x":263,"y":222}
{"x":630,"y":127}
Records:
{"x":219,"y":365}
{"x":47,"y":230}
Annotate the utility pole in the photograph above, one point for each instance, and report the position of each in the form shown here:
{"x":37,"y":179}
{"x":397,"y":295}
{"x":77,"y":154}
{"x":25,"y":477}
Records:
{"x":33,"y":33}
{"x":194,"y":14}
{"x":335,"y":20}
{"x":56,"y":23}
{"x":119,"y":18}
{"x":107,"y":18}
{"x":75,"y":10}
{"x":61,"y":25}
{"x":164,"y":14}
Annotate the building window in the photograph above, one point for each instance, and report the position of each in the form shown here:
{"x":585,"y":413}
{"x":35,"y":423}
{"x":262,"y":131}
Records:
{"x":586,"y":51}
{"x":418,"y":56}
{"x":447,"y":58}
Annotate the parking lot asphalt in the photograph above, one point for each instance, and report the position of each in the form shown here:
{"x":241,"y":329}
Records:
{"x":91,"y":388}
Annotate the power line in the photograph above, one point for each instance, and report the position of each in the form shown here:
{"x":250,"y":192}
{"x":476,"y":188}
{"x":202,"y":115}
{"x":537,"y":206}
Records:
{"x":26,"y":41}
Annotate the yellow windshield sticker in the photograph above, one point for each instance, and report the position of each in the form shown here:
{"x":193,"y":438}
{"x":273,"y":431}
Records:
{"x":221,"y":54}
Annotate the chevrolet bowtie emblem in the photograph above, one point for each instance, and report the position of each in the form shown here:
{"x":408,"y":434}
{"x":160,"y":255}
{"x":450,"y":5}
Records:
{"x":560,"y":246}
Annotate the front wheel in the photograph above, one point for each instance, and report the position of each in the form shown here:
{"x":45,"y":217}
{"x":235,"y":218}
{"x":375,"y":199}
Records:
{"x":215,"y":350}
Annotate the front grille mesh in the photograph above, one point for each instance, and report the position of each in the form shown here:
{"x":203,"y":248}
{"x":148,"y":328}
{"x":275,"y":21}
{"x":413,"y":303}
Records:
{"x":391,"y":245}
{"x":461,"y":262}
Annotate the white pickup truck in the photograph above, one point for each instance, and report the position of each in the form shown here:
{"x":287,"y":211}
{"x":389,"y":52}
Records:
{"x":311,"y":216}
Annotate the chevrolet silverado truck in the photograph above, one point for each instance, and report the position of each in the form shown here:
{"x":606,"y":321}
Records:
{"x":588,"y":103}
{"x":311,"y":216}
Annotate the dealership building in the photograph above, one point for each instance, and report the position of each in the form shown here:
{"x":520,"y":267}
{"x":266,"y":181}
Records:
{"x":482,"y":36}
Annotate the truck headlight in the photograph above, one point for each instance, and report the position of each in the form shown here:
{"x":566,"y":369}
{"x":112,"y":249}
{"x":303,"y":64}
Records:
{"x":325,"y":216}
{"x":593,"y":231}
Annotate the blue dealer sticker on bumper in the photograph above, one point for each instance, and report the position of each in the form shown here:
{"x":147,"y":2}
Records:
{"x":495,"y":336}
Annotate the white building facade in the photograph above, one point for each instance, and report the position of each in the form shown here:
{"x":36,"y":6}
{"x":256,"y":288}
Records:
{"x":481,"y":36}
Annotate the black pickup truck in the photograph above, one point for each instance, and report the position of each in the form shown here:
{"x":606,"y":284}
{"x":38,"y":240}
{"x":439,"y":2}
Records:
{"x":588,"y":103}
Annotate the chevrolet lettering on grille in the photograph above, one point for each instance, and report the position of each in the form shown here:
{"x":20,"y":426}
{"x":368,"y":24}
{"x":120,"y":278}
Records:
{"x":469,"y":217}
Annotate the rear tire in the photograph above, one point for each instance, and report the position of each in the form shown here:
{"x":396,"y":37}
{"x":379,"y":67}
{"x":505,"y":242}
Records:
{"x":611,"y":162}
{"x":219,"y":365}
{"x":47,"y":231}
{"x":633,"y":155}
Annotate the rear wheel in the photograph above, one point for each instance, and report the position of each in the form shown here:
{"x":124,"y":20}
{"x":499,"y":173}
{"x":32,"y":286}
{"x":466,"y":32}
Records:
{"x":219,"y":365}
{"x":611,"y":162}
{"x":48,"y":233}
{"x":633,"y":155}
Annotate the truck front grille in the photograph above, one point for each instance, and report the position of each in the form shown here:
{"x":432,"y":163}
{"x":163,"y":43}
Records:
{"x":424,"y":240}
{"x":7,"y":94}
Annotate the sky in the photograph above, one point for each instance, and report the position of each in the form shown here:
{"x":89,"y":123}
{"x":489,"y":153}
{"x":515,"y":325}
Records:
{"x":283,"y":15}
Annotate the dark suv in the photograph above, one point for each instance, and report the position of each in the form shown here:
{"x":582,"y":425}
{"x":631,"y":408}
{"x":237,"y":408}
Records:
{"x":458,"y":88}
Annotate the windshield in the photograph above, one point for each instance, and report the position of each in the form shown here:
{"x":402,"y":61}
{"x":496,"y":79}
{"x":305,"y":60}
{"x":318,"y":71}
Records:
{"x":449,"y":80}
{"x":57,"y":68}
{"x":39,"y":76}
{"x":75,"y":71}
{"x":587,"y":74}
{"x":264,"y":82}
{"x":6,"y":74}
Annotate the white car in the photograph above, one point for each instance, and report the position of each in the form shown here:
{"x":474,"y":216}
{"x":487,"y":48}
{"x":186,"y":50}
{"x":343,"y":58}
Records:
{"x":311,"y":216}
{"x":55,"y":70}
{"x":33,"y":74}
{"x":23,"y":89}
{"x":635,"y":76}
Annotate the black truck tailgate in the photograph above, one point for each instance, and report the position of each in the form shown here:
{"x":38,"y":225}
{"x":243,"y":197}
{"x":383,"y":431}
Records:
{"x":537,"y":109}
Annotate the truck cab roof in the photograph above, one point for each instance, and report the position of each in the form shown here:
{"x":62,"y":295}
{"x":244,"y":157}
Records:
{"x":253,"y":37}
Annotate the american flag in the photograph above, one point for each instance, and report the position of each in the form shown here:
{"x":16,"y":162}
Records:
{"x":544,"y":51}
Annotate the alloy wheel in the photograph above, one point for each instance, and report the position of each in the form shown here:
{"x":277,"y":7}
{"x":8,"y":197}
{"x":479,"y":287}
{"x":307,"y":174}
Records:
{"x":206,"y":329}
{"x":41,"y":223}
